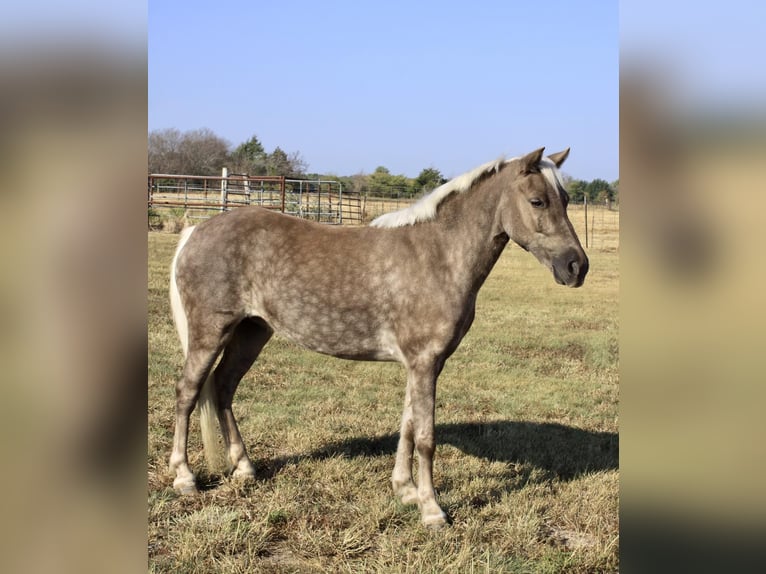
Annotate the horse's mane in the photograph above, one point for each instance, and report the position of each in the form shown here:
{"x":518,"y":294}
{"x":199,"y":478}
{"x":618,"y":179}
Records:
{"x":425,"y":208}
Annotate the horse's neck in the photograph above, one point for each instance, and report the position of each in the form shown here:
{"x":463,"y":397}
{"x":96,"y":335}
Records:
{"x":469,"y":227}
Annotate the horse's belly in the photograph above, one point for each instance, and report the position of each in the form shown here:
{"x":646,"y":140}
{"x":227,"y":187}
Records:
{"x":344,"y":344}
{"x":356,"y":336}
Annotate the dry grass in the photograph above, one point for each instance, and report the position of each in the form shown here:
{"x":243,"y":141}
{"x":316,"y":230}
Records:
{"x":526,"y":465}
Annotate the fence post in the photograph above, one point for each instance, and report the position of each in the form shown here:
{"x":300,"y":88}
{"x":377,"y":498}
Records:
{"x":224,"y":187}
{"x":319,"y":201}
{"x":585,"y":198}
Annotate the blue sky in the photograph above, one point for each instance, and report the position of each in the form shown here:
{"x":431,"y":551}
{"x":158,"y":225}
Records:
{"x":406,"y":85}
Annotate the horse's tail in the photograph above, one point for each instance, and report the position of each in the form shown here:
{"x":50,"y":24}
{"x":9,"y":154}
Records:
{"x":208,"y":409}
{"x":176,"y":305}
{"x":207,"y":399}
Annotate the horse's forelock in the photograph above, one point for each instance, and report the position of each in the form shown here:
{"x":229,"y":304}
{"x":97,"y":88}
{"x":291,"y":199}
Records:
{"x":552,"y":175}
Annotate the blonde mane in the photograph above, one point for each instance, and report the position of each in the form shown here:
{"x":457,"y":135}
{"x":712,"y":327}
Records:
{"x":425,"y":208}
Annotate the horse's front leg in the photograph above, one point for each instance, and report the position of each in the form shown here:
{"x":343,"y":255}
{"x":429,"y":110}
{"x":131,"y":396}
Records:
{"x":401,"y":479}
{"x":418,"y":428}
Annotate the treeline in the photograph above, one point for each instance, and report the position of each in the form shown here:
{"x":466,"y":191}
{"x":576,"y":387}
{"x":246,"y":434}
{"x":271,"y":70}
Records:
{"x":202,"y":152}
{"x":597,"y":190}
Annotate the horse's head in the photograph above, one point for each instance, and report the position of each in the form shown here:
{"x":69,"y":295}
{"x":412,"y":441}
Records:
{"x":534,"y":215}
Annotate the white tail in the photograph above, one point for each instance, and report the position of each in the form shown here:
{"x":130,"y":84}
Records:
{"x":176,"y":306}
{"x":207,"y":401}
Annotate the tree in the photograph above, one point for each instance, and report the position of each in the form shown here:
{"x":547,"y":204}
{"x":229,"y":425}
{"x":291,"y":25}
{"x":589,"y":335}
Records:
{"x":203,"y":152}
{"x":576,"y":189}
{"x":429,"y":178}
{"x":164,"y":151}
{"x":379,"y":181}
{"x":298,"y":165}
{"x":278,"y":163}
{"x":358,"y":183}
{"x":250,"y":157}
{"x":401,"y":185}
{"x":382,"y":183}
{"x":195,"y":152}
{"x":599,"y":190}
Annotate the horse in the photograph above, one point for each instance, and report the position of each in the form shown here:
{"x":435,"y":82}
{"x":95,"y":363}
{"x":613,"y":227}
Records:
{"x":402,"y":289}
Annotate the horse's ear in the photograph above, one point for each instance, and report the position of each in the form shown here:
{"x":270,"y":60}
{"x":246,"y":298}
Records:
{"x":560,"y":157}
{"x":529,"y":163}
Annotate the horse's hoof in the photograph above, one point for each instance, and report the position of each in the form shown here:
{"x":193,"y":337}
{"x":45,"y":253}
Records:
{"x":185,"y":488}
{"x":246,"y":473}
{"x":435,"y":522}
{"x":243,"y":477}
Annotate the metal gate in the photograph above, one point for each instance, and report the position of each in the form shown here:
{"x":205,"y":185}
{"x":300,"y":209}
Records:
{"x":200,"y":197}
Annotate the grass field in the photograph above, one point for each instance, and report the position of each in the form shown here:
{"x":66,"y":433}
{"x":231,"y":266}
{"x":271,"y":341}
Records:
{"x":526,"y":464}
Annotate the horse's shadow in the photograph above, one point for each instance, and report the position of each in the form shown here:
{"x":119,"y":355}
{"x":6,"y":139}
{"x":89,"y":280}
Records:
{"x":562,"y":452}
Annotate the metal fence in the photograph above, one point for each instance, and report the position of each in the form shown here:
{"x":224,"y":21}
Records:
{"x":322,"y":200}
{"x":200,"y":197}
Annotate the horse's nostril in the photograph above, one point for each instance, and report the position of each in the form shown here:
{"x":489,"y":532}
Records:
{"x":574,"y":267}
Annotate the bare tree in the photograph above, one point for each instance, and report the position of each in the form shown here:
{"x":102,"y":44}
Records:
{"x":195,"y":152}
{"x":203,"y":152}
{"x":164,"y":147}
{"x":298,"y":165}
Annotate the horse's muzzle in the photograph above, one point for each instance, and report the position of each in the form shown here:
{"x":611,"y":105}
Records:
{"x":570,"y":268}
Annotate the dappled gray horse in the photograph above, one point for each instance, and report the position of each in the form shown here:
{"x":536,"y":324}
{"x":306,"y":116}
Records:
{"x":403,"y":289}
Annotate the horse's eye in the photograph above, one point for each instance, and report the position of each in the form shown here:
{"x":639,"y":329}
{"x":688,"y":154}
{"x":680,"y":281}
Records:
{"x":537,"y":202}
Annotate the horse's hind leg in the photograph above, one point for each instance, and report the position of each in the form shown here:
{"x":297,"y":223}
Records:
{"x":199,"y":362}
{"x":240,"y":353}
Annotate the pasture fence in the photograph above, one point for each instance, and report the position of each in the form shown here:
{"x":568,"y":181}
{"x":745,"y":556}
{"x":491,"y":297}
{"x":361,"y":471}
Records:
{"x":200,"y":197}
